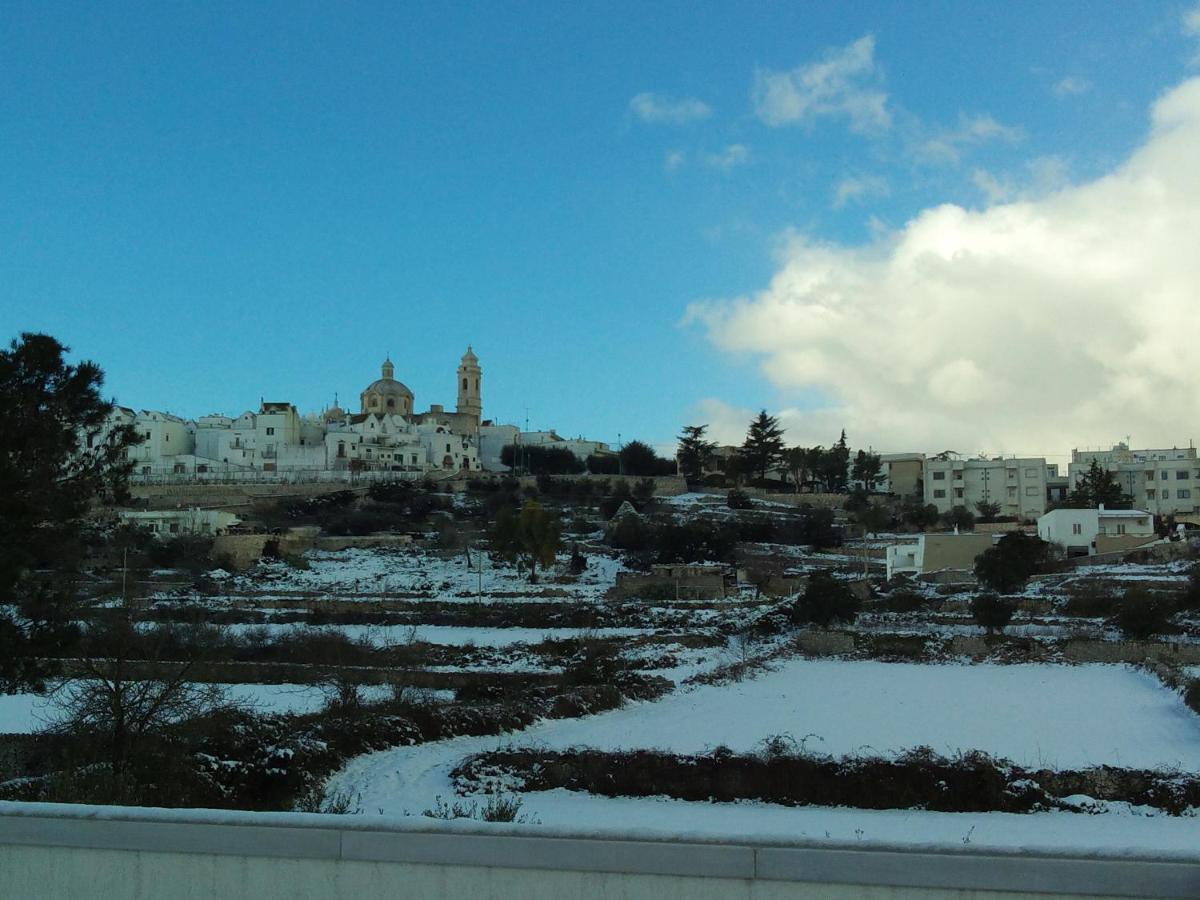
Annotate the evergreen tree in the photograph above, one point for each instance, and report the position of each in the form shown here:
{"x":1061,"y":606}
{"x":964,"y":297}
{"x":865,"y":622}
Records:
{"x":835,"y":467}
{"x":528,"y":538}
{"x":694,"y":451}
{"x":58,"y":453}
{"x":867,"y":468}
{"x":762,"y":450}
{"x":803,"y":464}
{"x":1098,"y":486}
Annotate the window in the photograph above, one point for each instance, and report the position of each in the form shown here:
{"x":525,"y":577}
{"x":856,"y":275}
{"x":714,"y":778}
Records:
{"x":937,"y":476}
{"x":1076,"y":528}
{"x":1120,"y":528}
{"x":167,"y":439}
{"x":1012,"y":490}
{"x":1031,"y":473}
{"x":447,"y":448}
{"x":1012,"y":474}
{"x":1031,"y":492}
{"x":1165,"y":475}
{"x":174,"y":528}
{"x":1149,"y":493}
{"x":1182,"y":475}
{"x":1184,"y":494}
{"x":939,"y":494}
{"x":958,"y":493}
{"x":464,"y":384}
{"x":270,"y":431}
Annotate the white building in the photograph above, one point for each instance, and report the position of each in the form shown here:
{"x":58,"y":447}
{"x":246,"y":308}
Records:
{"x":928,"y":553}
{"x":166,"y":522}
{"x":1086,"y":532}
{"x":1018,"y":486}
{"x":1163,"y":482}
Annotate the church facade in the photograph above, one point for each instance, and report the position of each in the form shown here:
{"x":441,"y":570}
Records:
{"x":386,"y":434}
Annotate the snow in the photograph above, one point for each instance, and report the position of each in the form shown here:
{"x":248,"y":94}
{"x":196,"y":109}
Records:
{"x":376,"y":572}
{"x":1037,"y":715}
{"x":445,"y":635}
{"x":27,"y":713}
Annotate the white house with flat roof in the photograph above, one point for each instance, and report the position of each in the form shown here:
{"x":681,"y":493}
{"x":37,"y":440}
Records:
{"x":1086,"y":532}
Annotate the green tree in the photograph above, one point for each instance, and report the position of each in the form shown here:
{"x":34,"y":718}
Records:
{"x":959,"y":517}
{"x":918,"y":515}
{"x":762,"y":450}
{"x":803,"y":463}
{"x":694,"y":451}
{"x":531,"y":537}
{"x":639,"y":458}
{"x":1098,"y":486}
{"x":1006,"y":566}
{"x":866,"y":469}
{"x":60,"y":450}
{"x":825,"y":600}
{"x":988,"y":511}
{"x":992,"y":611}
{"x":835,"y":467}
{"x":1141,"y":614}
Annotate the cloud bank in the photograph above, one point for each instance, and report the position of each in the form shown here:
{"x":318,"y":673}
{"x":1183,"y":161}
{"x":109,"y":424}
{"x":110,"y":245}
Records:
{"x":1030,"y":326}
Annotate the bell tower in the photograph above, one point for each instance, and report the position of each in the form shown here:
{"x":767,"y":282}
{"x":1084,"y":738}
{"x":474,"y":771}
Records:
{"x":470,"y":398}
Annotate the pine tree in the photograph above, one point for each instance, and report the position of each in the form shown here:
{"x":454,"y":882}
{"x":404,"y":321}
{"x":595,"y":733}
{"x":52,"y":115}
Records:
{"x":1099,"y":486}
{"x":835,"y":467}
{"x":694,"y":451}
{"x":867,"y":468}
{"x":58,"y":453}
{"x":763,"y":447}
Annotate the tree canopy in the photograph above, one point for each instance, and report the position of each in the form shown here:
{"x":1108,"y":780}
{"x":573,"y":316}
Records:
{"x":762,"y":451}
{"x":1098,"y":486}
{"x":694,"y":451}
{"x":59,"y":451}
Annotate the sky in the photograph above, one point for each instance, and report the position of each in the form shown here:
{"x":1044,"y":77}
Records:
{"x":938,"y":225}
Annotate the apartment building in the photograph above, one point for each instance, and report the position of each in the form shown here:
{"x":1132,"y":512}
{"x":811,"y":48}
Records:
{"x":1018,"y":485}
{"x":1162,"y":482}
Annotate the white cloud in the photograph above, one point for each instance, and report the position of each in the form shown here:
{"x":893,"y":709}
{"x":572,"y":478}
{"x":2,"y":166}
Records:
{"x":1041,"y":176}
{"x":946,"y":145}
{"x":843,"y":83}
{"x":1191,"y":21}
{"x":1031,"y":326}
{"x":856,"y":188}
{"x":732,"y":156}
{"x":659,"y":109}
{"x":674,"y":160}
{"x":1071,"y":86}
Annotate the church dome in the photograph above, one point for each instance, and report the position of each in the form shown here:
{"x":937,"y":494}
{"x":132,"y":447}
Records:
{"x":386,"y":395}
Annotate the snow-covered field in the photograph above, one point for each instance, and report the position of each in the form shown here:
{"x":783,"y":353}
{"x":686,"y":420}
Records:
{"x":376,"y":572}
{"x":1036,"y":715}
{"x":26,"y":713}
{"x":445,"y":635}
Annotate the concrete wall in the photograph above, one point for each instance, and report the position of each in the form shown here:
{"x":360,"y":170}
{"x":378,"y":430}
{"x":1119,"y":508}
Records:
{"x":49,"y":851}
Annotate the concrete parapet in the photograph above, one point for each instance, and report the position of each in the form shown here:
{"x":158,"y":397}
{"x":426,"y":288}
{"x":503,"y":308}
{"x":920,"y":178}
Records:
{"x":51,"y":851}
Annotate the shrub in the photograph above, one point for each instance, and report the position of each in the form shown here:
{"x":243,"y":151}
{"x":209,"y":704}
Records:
{"x":1142,"y":615}
{"x":825,"y":600}
{"x":738,"y":499}
{"x":1190,"y":599}
{"x":992,"y":611}
{"x":904,"y":600}
{"x":1191,"y":695}
{"x":1009,"y":564}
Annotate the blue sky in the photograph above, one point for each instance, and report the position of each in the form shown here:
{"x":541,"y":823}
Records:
{"x":222,"y":202}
